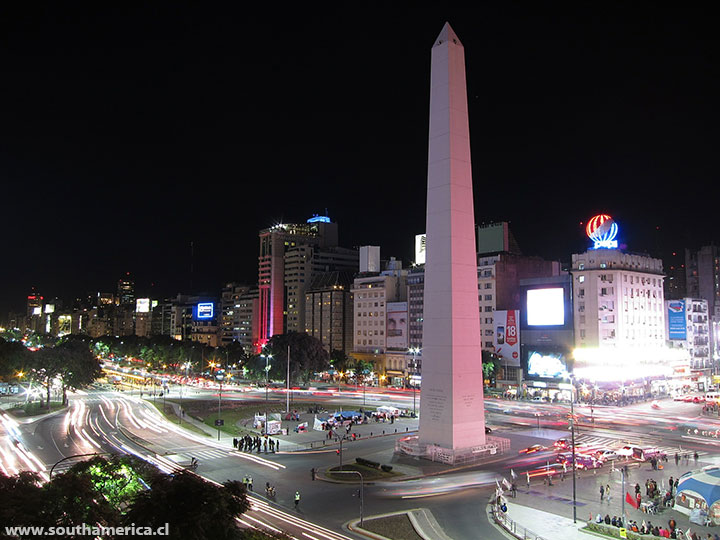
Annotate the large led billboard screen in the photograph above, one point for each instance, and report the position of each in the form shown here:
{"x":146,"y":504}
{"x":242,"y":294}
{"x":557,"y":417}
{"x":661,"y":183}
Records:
{"x":547,"y":365}
{"x":142,"y":305}
{"x":546,"y":307}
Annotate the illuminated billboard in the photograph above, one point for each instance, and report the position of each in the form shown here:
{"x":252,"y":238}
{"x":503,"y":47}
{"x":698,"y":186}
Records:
{"x":204,"y":311}
{"x":420,"y":242}
{"x":547,"y":365}
{"x":546,"y":307}
{"x":677,"y":327}
{"x":506,"y":336}
{"x":142,"y":305}
{"x":396,"y":329}
{"x":602,"y":230}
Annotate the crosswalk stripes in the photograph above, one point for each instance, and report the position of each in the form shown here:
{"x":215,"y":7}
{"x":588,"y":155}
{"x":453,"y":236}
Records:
{"x":614,"y":444}
{"x":205,"y":454}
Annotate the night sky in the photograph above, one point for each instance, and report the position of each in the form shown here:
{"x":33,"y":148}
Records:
{"x":128,"y":134}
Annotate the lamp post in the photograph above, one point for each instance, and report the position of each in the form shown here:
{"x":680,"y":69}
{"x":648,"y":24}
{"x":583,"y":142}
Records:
{"x":183,"y":387}
{"x":572,"y":441}
{"x":267,"y":382}
{"x":415,"y":351}
{"x":219,"y":377}
{"x":287,"y":393}
{"x":362,"y":496}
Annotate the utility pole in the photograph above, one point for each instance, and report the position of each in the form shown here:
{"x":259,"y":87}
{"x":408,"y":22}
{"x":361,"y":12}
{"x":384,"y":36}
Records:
{"x":287,"y":394}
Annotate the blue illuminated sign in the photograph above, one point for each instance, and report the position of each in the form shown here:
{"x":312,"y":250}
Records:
{"x":677,"y":327}
{"x":205,"y":311}
{"x":319,"y":219}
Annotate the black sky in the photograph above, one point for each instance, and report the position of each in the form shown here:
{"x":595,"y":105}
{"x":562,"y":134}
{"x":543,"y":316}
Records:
{"x":129,"y":133}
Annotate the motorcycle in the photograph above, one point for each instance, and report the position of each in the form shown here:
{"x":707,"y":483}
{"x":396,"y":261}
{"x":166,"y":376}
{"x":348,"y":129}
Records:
{"x":270,"y":492}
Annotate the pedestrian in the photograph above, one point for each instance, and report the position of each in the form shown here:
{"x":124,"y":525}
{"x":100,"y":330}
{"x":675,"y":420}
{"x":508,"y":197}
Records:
{"x":637,"y":489}
{"x":607,"y":493}
{"x":312,"y":473}
{"x":695,"y":457}
{"x":513,"y":490}
{"x":235,"y":443}
{"x":297,"y":499}
{"x":602,"y":492}
{"x":528,"y":480}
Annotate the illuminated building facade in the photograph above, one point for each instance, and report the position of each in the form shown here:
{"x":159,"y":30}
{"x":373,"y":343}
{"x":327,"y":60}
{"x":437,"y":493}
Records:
{"x":702,"y":276}
{"x":329,"y":310}
{"x":688,"y":327}
{"x":618,"y":300}
{"x":380,"y":315}
{"x":290,"y":254}
{"x":239,"y":315}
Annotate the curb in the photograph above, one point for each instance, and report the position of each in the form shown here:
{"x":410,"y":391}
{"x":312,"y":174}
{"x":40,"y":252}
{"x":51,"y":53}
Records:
{"x":436,"y":533}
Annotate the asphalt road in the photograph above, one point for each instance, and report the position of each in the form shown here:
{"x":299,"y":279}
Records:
{"x":105,"y":421}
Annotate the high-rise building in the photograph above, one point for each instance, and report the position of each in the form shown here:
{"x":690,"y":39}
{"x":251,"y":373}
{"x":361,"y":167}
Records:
{"x":329,"y":310}
{"x":126,"y":291}
{"x":239,"y":315}
{"x":35,"y":320}
{"x":702,"y":275}
{"x":618,"y":300}
{"x":290,"y":254}
{"x":688,"y":327}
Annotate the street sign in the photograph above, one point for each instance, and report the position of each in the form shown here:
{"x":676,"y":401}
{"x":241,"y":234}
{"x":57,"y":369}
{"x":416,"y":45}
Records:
{"x":219,"y":422}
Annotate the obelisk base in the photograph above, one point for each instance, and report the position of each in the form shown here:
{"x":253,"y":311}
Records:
{"x":411,"y":446}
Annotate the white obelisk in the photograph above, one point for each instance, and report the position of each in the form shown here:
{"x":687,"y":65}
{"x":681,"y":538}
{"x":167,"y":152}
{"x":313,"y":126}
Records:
{"x":451,"y":409}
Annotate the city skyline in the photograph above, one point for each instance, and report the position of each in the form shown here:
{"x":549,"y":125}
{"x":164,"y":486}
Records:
{"x":132,"y":135}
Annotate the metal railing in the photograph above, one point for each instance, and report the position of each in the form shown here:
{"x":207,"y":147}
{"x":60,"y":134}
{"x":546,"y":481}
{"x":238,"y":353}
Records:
{"x":512,"y":527}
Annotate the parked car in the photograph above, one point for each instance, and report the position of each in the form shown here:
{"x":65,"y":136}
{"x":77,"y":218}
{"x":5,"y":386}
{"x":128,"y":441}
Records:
{"x":538,"y":399}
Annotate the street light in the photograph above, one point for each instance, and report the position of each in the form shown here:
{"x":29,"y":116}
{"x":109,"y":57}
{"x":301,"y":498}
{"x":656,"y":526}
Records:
{"x":415,"y":351}
{"x":362,"y":495}
{"x":267,"y":382}
{"x":183,"y":387}
{"x":219,"y":377}
{"x":572,"y":441}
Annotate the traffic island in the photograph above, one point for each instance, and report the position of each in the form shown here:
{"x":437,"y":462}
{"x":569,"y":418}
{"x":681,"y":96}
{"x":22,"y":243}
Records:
{"x":416,"y":524}
{"x":368,"y":473}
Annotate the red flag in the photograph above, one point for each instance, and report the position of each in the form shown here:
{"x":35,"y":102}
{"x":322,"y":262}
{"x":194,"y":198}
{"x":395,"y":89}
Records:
{"x":631,"y":500}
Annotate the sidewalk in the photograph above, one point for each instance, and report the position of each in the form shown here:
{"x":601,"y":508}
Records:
{"x":547,"y":510}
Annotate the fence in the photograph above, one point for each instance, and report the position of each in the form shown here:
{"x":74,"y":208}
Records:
{"x":515,"y":529}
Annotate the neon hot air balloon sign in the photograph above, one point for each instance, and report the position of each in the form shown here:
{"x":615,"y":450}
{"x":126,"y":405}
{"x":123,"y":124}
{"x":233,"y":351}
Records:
{"x":602,"y":230}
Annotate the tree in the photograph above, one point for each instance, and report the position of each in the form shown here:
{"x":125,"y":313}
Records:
{"x":14,"y":358}
{"x":490,"y":365}
{"x":307,"y":356}
{"x":339,"y":360}
{"x":195,"y":509}
{"x":75,"y":365}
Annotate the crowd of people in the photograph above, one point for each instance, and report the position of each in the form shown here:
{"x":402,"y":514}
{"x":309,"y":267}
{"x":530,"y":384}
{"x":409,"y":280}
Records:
{"x":661,"y":531}
{"x":256,"y":443}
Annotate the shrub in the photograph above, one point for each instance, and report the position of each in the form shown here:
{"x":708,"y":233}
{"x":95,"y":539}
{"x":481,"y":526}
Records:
{"x":367,"y":463}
